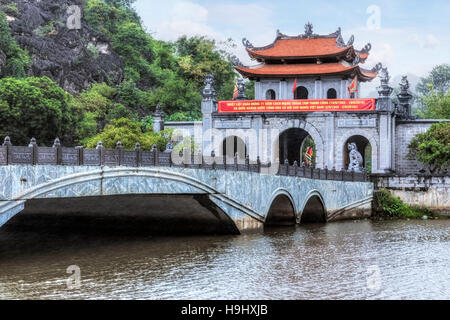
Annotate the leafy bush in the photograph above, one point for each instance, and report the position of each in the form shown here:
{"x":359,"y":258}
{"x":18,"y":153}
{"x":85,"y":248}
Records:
{"x":128,"y":132}
{"x":394,"y":207}
{"x":34,"y":107}
{"x":432,"y":147}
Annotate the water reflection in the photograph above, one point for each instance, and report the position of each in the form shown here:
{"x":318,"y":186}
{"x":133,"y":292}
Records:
{"x":329,"y":261}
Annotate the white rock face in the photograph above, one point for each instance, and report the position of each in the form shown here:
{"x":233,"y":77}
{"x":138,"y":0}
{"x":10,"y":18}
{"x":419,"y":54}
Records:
{"x":9,"y":18}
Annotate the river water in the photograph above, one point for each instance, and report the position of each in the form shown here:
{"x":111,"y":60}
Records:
{"x":346,"y":260}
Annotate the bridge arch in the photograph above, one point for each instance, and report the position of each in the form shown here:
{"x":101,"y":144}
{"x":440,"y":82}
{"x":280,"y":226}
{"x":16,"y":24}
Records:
{"x":281,"y":210}
{"x":116,"y":181}
{"x":312,"y":132}
{"x":314,"y":209}
{"x":341,"y":152}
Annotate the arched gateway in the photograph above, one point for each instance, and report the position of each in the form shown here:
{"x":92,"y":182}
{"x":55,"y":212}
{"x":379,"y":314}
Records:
{"x":316,"y":81}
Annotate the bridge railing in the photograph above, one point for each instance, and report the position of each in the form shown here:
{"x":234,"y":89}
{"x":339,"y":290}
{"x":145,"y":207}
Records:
{"x":58,"y":155}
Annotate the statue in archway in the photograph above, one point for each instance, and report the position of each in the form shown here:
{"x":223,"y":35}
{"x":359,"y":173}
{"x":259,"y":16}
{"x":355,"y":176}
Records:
{"x":356,"y":159}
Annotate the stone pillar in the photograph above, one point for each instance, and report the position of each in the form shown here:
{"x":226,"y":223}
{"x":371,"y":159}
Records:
{"x":209,"y":106}
{"x":158,"y":125}
{"x":283,"y":90}
{"x":343,"y":90}
{"x":330,"y":143}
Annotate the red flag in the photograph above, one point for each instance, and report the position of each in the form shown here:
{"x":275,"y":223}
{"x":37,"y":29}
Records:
{"x":353,"y":87}
{"x":309,"y":155}
{"x":295,"y":87}
{"x":236,"y":91}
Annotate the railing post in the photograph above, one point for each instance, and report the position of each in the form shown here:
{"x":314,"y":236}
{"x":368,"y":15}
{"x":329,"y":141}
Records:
{"x":213,"y":159}
{"x":247,"y":163}
{"x":101,"y":152}
{"x":326,"y":172}
{"x":80,"y":155}
{"x":353,"y":175}
{"x":57,"y":146}
{"x":7,"y":143}
{"x":138,"y":151}
{"x":119,"y":148}
{"x":286,"y":167}
{"x":33,"y":145}
{"x":236,"y":165}
{"x":155,"y":155}
{"x":258,"y":164}
{"x":295,"y":168}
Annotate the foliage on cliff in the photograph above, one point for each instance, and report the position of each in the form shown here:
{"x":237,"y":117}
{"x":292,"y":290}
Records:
{"x":14,"y":61}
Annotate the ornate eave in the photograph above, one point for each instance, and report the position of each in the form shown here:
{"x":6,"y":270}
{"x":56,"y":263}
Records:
{"x":281,"y":36}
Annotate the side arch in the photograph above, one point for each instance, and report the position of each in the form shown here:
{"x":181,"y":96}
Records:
{"x":313,"y":209}
{"x":343,"y":139}
{"x":281,"y":210}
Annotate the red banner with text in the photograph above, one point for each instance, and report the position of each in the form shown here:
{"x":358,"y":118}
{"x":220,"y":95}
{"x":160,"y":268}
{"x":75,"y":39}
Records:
{"x":325,"y":105}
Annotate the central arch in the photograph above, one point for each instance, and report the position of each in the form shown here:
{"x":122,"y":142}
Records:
{"x":311,"y":131}
{"x":293,"y":144}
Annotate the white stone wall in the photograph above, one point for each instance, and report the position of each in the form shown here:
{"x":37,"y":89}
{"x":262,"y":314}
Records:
{"x":317,"y":89}
{"x":405,"y":132}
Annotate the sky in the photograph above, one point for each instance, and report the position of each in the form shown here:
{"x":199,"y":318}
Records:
{"x":409,"y":37}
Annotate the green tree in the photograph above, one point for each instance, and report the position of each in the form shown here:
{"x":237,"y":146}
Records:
{"x":438,"y":79}
{"x":432,"y":147}
{"x":34,"y":107}
{"x":437,"y":105}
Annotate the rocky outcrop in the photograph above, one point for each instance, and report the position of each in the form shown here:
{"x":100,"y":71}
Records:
{"x":74,"y":58}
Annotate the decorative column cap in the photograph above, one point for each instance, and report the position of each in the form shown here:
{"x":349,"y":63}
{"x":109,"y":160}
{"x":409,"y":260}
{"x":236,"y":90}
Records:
{"x":57,"y":143}
{"x":7,"y":141}
{"x":159,"y":111}
{"x":384,"y":90}
{"x":33,"y":143}
{"x":208,"y":92}
{"x":99,"y":145}
{"x":241,"y":90}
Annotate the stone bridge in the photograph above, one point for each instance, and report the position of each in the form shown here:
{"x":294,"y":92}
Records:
{"x":231,"y":198}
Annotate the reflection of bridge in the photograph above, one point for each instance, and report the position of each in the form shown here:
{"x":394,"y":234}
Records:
{"x":237,"y":197}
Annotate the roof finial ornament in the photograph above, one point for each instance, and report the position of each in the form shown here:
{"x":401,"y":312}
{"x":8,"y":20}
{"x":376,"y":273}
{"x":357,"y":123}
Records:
{"x":357,"y":60}
{"x":340,"y":41}
{"x":377,"y":67}
{"x":350,"y":41}
{"x":236,"y":62}
{"x":367,"y":48}
{"x":247,"y":44}
{"x":308,"y":29}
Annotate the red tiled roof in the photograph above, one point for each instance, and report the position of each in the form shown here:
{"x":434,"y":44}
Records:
{"x":291,"y":70}
{"x":300,"y":48}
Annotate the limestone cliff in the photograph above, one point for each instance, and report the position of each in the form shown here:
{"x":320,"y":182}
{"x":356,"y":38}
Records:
{"x":74,"y":58}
